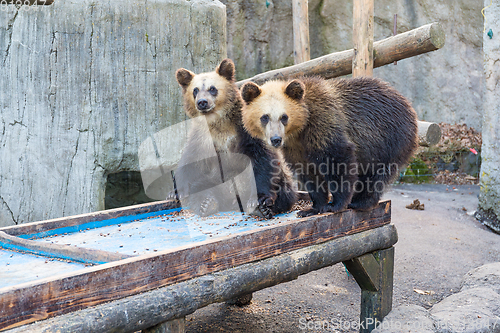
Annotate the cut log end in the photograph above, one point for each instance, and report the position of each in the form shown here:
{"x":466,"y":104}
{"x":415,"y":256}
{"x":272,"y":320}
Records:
{"x":429,"y":134}
{"x":437,"y":35}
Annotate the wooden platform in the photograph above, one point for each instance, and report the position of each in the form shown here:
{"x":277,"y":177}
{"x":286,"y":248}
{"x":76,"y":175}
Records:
{"x":163,"y":248}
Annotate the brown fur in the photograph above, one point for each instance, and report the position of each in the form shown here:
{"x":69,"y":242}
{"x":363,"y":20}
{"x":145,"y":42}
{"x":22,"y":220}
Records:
{"x":221,"y":109}
{"x":360,"y":122}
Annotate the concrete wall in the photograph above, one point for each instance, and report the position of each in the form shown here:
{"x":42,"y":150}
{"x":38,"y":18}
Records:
{"x":446,"y":85}
{"x":83,"y":84}
{"x":489,"y":199}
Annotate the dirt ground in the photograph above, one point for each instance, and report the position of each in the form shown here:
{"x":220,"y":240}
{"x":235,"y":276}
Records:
{"x":436,"y":247}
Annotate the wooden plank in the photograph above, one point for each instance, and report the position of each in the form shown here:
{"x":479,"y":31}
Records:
{"x":118,"y":215}
{"x":163,"y":304}
{"x":301,"y":48}
{"x":362,"y":37}
{"x":95,"y":285}
{"x":427,"y":38}
{"x":59,"y":251}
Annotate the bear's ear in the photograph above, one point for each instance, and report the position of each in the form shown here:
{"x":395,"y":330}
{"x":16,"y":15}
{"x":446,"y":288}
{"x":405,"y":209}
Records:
{"x":249,"y":92}
{"x":226,"y":69}
{"x":295,"y":89}
{"x":184,"y":77}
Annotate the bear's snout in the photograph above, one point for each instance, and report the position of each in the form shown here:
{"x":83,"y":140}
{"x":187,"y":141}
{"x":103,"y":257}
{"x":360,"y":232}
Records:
{"x":202,"y":104}
{"x":276,"y":141}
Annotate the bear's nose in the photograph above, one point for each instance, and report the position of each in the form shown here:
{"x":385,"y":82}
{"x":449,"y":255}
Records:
{"x":276,"y":141}
{"x":202,"y":104}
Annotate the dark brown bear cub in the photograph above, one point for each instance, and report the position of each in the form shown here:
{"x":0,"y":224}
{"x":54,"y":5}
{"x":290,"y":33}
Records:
{"x":219,"y":151}
{"x":346,"y":137}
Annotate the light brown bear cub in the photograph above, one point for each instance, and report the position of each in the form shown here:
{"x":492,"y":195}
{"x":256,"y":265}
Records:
{"x":214,"y":103}
{"x":346,"y":137}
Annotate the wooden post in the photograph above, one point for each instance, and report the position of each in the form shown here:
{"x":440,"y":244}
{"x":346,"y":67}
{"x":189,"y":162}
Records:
{"x":301,"y":50}
{"x":362,"y":63}
{"x":374,"y":273}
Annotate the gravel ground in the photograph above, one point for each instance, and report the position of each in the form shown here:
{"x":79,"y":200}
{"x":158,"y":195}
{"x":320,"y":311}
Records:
{"x":436,"y":247}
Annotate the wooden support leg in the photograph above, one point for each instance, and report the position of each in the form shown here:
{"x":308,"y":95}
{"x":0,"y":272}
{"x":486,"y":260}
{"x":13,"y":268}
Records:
{"x":241,"y":300}
{"x":172,"y":326}
{"x":374,"y":274}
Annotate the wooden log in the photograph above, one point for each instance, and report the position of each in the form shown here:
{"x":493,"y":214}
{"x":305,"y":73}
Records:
{"x":301,"y":49}
{"x":151,"y":308}
{"x":60,"y":251}
{"x":429,"y":134}
{"x":362,"y":37}
{"x":427,"y":38}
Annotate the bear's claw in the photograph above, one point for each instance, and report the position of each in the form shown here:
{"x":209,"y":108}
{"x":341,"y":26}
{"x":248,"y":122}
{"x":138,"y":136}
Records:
{"x":172,"y":196}
{"x":307,"y":212}
{"x":208,"y":206}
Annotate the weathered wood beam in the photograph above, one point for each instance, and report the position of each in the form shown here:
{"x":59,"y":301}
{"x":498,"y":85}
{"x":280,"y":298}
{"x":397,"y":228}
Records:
{"x":362,"y":38}
{"x":374,"y":273}
{"x":427,"y":38}
{"x":301,"y":49}
{"x":151,"y":308}
{"x":125,"y":213}
{"x":366,"y":271}
{"x":60,"y":251}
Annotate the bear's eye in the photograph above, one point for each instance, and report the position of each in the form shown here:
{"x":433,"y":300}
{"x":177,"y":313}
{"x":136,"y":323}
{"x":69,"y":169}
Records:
{"x":213,"y":91}
{"x":284,"y":119}
{"x":195,"y":92}
{"x":264,"y":119}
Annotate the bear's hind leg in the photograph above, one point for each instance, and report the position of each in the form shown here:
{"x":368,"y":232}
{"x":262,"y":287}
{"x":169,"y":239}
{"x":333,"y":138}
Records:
{"x":368,"y":191}
{"x":315,"y":186}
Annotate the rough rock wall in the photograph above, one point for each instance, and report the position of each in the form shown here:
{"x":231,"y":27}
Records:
{"x":489,"y":199}
{"x":445,"y":85}
{"x":83,"y":84}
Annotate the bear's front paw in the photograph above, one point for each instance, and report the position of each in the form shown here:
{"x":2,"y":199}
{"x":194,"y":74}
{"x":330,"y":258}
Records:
{"x":208,"y":206}
{"x":332,"y":208}
{"x":307,"y":212}
{"x":266,"y":201}
{"x":263,"y":211}
{"x":363,"y":205}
